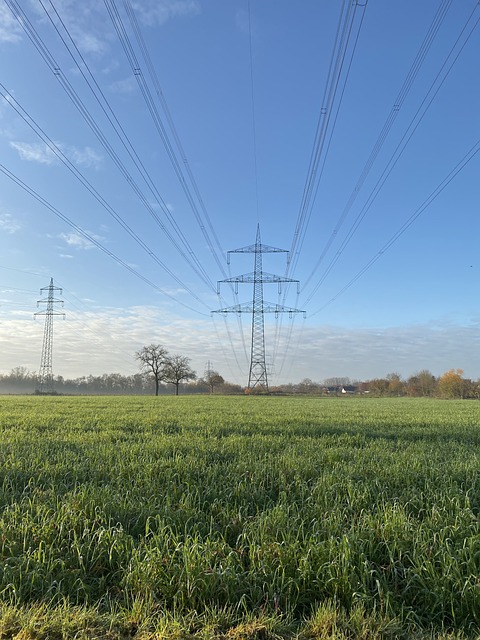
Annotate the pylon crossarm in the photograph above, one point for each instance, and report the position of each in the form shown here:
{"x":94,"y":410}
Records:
{"x":266,"y":278}
{"x":258,"y":248}
{"x":265,"y":308}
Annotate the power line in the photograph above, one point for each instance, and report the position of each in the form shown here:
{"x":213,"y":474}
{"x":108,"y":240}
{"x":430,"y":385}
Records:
{"x":432,"y":92}
{"x":156,"y":83}
{"x":337,"y":64}
{"x":397,"y":105}
{"x":408,"y":223}
{"x":79,"y":175}
{"x":254,"y":125}
{"x":152,"y":108}
{"x":91,"y":239}
{"x":33,"y":35}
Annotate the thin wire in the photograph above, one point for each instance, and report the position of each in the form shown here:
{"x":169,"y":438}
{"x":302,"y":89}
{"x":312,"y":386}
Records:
{"x":402,"y":95}
{"x":254,"y":126}
{"x":344,"y":30}
{"x":51,"y":63}
{"x":90,"y":238}
{"x":321,"y":154}
{"x":156,"y":83}
{"x":78,"y":174}
{"x":418,"y":212}
{"x":150,"y":102}
{"x":412,"y":127}
{"x":127,"y":144}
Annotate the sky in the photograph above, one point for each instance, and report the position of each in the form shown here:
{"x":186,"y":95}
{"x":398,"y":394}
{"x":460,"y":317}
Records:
{"x":142,"y":140}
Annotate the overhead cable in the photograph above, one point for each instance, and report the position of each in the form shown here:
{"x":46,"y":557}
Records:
{"x":90,"y":120}
{"x":156,"y":83}
{"x":157,"y":120}
{"x":397,"y":105}
{"x":79,"y":175}
{"x":93,"y":240}
{"x":408,"y":223}
{"x":335,"y":79}
{"x":453,"y":55}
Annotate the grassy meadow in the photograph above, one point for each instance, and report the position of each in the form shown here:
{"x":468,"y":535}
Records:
{"x":239,"y":518}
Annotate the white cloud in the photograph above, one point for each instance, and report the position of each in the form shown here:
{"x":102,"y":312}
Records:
{"x":86,"y":157}
{"x":43,"y":154}
{"x":78,"y":241}
{"x":8,"y":224}
{"x":34,"y":152}
{"x":124,"y":86}
{"x":10,"y":30}
{"x":105,"y":341}
{"x":158,"y":12}
{"x":84,"y":20}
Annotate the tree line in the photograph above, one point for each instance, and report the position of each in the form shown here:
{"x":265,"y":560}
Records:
{"x":164,"y":374}
{"x":450,"y":384}
{"x":22,"y":381}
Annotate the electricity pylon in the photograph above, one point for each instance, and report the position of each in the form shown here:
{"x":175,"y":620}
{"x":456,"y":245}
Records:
{"x":45,"y":376}
{"x":258,"y":377}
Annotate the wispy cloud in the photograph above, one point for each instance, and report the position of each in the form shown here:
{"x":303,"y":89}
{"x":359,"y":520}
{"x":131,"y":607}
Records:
{"x":43,"y":154}
{"x":34,"y":152}
{"x":10,"y":30}
{"x":85,"y":21}
{"x":86,"y":157}
{"x":124,"y":86}
{"x":77,"y":241}
{"x":158,"y":12}
{"x":105,"y":340}
{"x":242,"y":21}
{"x":8,"y":224}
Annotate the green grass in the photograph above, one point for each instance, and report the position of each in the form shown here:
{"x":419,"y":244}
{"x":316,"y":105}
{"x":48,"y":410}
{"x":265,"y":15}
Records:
{"x":239,"y":518}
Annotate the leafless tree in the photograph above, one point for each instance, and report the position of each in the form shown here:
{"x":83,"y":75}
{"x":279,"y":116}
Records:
{"x":212,"y":379}
{"x":176,"y":370}
{"x":153,"y":360}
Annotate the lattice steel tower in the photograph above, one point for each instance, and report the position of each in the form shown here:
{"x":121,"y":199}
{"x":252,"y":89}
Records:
{"x":258,"y":377}
{"x":45,"y":376}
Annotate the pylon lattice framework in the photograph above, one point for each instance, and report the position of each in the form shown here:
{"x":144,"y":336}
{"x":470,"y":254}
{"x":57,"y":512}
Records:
{"x":45,"y":375}
{"x":258,"y":376}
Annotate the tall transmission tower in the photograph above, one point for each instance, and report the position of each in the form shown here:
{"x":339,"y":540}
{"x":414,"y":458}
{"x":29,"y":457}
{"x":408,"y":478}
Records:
{"x":208,"y":370}
{"x":45,"y":376}
{"x":258,"y":376}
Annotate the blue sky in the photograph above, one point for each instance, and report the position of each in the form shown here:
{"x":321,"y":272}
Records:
{"x":245,"y":84}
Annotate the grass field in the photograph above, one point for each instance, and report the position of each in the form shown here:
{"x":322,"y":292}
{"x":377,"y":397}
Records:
{"x":239,"y":518}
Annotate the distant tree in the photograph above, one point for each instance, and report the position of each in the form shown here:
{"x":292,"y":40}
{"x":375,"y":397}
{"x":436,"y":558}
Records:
{"x":153,"y":360}
{"x":451,"y":384}
{"x":232,"y":389}
{"x":18,"y":374}
{"x":379,"y":386}
{"x":421,"y":384}
{"x":213,"y":379}
{"x":471,"y":389}
{"x":396,"y":386}
{"x":306,"y":386}
{"x":177,"y":369}
{"x":337,"y":382}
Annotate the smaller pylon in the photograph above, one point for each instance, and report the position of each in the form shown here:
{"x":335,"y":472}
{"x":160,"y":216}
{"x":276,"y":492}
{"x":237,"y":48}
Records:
{"x":45,"y":375}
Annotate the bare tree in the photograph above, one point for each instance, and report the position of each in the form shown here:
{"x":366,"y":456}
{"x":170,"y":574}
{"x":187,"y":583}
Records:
{"x":176,"y":370}
{"x":212,"y":379}
{"x":153,"y":360}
